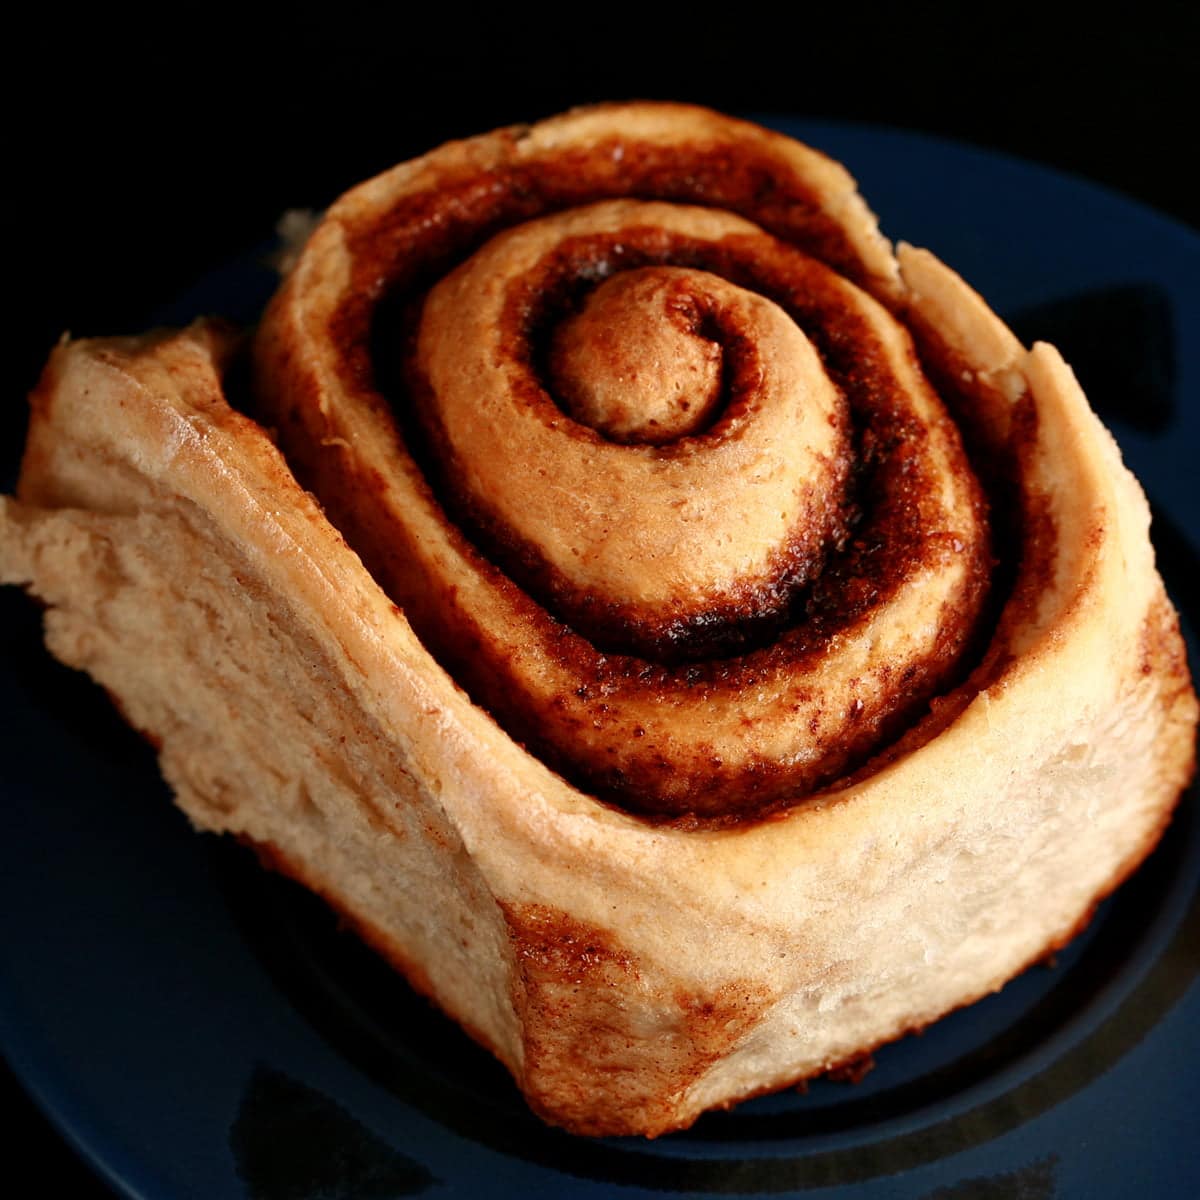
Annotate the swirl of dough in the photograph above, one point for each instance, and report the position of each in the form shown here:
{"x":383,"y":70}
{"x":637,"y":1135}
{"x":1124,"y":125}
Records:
{"x":638,"y":533}
{"x":657,"y":478}
{"x":833,"y":607}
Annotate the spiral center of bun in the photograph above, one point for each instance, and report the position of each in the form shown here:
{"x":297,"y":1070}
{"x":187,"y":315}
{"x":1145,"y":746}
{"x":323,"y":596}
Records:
{"x":635,"y":363}
{"x":697,"y":399}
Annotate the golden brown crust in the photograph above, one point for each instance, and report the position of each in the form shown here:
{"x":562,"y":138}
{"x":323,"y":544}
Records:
{"x":584,"y":1066}
{"x":630,"y":973}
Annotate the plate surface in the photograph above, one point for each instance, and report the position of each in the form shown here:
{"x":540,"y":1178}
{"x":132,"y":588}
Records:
{"x":198,"y":1028}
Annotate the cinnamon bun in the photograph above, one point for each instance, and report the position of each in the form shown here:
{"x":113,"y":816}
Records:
{"x":693,"y":642}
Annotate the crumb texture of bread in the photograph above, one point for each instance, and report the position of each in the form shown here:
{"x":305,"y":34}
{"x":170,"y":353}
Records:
{"x":631,"y":972}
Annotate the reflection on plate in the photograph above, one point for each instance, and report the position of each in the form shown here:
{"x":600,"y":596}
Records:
{"x":200,"y":1028}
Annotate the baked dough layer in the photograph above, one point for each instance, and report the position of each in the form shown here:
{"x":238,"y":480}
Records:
{"x":629,"y":973}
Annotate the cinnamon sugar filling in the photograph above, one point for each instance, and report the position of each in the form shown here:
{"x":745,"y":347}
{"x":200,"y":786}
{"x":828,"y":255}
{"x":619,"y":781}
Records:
{"x":616,"y":582}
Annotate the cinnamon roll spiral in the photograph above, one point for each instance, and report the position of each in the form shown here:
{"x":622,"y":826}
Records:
{"x":658,"y":478}
{"x":654,"y":498}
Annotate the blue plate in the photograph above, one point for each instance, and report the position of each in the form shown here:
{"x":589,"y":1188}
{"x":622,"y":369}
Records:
{"x":200,"y":1028}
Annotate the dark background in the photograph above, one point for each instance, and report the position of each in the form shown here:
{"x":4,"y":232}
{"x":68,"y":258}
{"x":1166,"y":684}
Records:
{"x":145,"y":153}
{"x":148,"y":153}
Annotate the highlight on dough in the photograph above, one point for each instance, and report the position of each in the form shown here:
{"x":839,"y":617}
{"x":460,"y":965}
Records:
{"x":695,"y":642}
